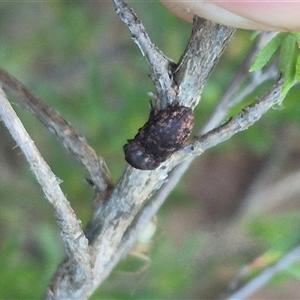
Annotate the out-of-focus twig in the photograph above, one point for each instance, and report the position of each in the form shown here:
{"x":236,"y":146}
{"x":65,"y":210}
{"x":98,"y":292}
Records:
{"x":72,"y":140}
{"x":266,"y":275}
{"x":272,"y":195}
{"x":242,"y":84}
{"x":72,"y":233}
{"x":270,"y":187}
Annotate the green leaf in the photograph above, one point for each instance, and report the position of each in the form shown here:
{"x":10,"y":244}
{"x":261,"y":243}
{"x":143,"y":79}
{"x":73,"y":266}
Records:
{"x":288,"y":62}
{"x":298,"y":69}
{"x":266,"y":52}
{"x":286,"y":53}
{"x":296,"y":35}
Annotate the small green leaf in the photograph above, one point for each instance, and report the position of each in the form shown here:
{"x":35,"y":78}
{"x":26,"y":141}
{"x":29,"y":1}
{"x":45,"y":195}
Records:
{"x":298,"y":69}
{"x":286,"y":53}
{"x":266,"y":52}
{"x":288,"y":62}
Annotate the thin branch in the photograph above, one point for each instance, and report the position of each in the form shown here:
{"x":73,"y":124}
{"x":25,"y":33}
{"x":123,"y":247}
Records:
{"x":73,"y":141}
{"x":266,"y":275}
{"x":241,"y":122}
{"x":157,"y":61}
{"x":72,"y":233}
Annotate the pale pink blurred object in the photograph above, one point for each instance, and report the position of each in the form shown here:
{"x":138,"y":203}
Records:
{"x":269,"y":15}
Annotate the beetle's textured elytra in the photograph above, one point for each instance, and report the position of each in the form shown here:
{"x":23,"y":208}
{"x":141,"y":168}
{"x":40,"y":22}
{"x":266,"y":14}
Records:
{"x":164,"y":133}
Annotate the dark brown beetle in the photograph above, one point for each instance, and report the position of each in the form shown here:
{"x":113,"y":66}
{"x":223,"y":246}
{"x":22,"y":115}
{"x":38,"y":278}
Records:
{"x":165,"y":132}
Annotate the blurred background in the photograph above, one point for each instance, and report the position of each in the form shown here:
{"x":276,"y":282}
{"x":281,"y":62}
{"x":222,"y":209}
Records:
{"x":238,"y":202}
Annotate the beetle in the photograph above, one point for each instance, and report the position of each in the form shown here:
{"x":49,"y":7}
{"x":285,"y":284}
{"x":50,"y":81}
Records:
{"x":165,"y":132}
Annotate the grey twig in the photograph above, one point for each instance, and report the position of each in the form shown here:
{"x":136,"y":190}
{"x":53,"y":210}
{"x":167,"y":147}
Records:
{"x":183,"y":82}
{"x":114,"y":216}
{"x":72,"y":140}
{"x":159,"y":64}
{"x":241,"y":122}
{"x":72,"y":233}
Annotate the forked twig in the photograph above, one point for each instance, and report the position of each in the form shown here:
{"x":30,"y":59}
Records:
{"x":72,"y":140}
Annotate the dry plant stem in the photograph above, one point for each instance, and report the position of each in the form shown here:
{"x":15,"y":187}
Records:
{"x":141,"y":184}
{"x":272,"y":195}
{"x":115,"y":215}
{"x":73,"y":141}
{"x":225,"y":103}
{"x":266,"y":275}
{"x":70,"y":226}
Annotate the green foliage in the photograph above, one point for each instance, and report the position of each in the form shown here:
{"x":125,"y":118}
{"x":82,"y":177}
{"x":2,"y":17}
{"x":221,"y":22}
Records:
{"x":264,"y":55}
{"x":288,"y":58}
